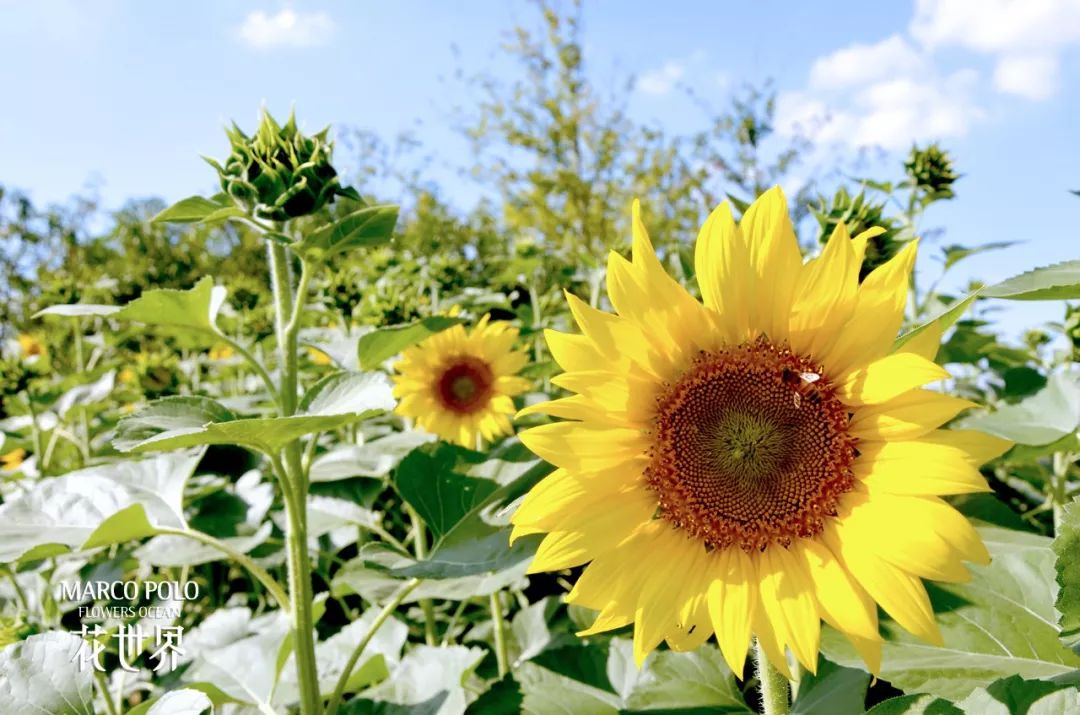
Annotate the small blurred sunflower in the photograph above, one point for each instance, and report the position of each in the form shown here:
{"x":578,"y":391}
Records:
{"x":31,"y":348}
{"x":459,"y":385}
{"x":758,"y":463}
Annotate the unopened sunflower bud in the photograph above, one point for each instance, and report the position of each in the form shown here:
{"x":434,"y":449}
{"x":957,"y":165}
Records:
{"x":279,"y":173}
{"x":858,"y":213}
{"x":931,"y":170}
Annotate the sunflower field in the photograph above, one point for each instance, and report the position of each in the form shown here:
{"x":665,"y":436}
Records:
{"x":639,"y":434}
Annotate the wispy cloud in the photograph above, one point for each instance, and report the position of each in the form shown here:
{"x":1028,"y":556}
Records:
{"x":662,"y":80}
{"x":286,"y":28}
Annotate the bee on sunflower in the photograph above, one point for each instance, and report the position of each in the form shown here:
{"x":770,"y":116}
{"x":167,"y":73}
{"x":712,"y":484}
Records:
{"x":758,"y":462}
{"x":460,"y":385}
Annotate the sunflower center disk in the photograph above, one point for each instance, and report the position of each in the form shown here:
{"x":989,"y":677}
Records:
{"x":465,"y":385}
{"x":750,"y":448}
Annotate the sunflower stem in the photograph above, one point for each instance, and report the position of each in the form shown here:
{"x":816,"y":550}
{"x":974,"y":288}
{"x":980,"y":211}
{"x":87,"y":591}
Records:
{"x":774,"y":686}
{"x":498,"y":624}
{"x":420,"y":549}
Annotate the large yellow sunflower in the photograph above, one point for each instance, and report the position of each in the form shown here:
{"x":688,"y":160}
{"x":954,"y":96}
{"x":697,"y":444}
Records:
{"x":758,"y":463}
{"x":459,"y":385}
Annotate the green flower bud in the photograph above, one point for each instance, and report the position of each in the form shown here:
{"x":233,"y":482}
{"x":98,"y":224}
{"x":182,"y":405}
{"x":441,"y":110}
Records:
{"x":859,"y":213}
{"x":931,"y":170}
{"x":279,"y":173}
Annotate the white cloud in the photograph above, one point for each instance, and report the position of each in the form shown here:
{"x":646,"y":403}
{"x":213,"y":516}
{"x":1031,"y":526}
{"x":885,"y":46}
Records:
{"x":890,"y":113}
{"x":1029,"y":76}
{"x":287,"y":28}
{"x":997,"y":25}
{"x":859,"y":64}
{"x":661,"y":80}
{"x":1025,"y":37}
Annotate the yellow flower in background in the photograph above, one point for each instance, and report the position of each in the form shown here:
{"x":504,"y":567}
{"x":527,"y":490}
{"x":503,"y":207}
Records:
{"x":31,"y":347}
{"x":318,"y":357}
{"x":12,"y":460}
{"x":757,"y":463}
{"x":221,"y":351}
{"x":459,"y":385}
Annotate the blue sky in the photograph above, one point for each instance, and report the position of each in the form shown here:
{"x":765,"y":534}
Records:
{"x":128,"y":94}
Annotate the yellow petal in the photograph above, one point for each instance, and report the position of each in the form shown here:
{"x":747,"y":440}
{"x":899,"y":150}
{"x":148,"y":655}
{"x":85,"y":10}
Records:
{"x":917,"y":467}
{"x":824,"y":296}
{"x":887,"y":378}
{"x":978,"y":446}
{"x":879,"y":313}
{"x":692,"y":626}
{"x":631,"y":397}
{"x":775,"y":261}
{"x":573,"y":352}
{"x":927,"y":343}
{"x":898,"y":592}
{"x":581,"y":445}
{"x":722,"y":264}
{"x":787,"y":595}
{"x":672,"y":557}
{"x":907,"y":416}
{"x":843,"y":603}
{"x":617,"y":339}
{"x":575,"y":407}
{"x":732,"y":596}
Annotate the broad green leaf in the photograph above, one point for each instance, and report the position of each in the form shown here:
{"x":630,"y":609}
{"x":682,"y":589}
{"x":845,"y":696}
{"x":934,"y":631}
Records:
{"x":1060,"y":281}
{"x":833,"y":690}
{"x":502,"y":698}
{"x":698,"y":679}
{"x":376,"y":458}
{"x":178,"y":551}
{"x":78,"y":310}
{"x":380,"y":655}
{"x":917,"y":704}
{"x":334,"y":343}
{"x":194,"y":309}
{"x":546,"y":692}
{"x":954,"y":254}
{"x":429,"y":481}
{"x":193,"y":209}
{"x":186,"y":701}
{"x":1001,"y":623}
{"x":41,"y":675}
{"x":425,"y":672}
{"x":224,"y":214}
{"x":370,"y":226}
{"x":240,"y":654}
{"x":1016,"y":696}
{"x":379,"y":345}
{"x":944,"y":319}
{"x":96,"y":506}
{"x":1045,"y":417}
{"x":175,"y":422}
{"x":1067,"y":567}
{"x":363,"y":706}
{"x":346,"y":392}
{"x":87,"y":394}
{"x":374,"y":576}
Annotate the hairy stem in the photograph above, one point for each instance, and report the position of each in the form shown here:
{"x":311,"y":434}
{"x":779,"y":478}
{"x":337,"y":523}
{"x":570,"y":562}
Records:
{"x":499,"y":626}
{"x":774,"y":686}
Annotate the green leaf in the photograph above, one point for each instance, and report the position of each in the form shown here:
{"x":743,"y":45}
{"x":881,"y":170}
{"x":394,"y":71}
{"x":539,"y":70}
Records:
{"x":175,"y":422}
{"x":425,"y":672}
{"x":376,"y":458}
{"x":374,"y":575}
{"x":194,"y":309}
{"x":916,"y":704}
{"x":1001,"y":623}
{"x":1060,"y":281}
{"x":478,"y":542}
{"x":428,"y":480}
{"x":178,"y":551}
{"x":503,"y":698}
{"x":363,"y":706}
{"x":945,"y":319}
{"x":954,"y":254}
{"x":1067,"y":567}
{"x":345,"y":392}
{"x":1016,"y":696}
{"x":547,"y":692}
{"x":41,"y":675}
{"x":193,"y":209}
{"x":78,"y":310}
{"x":224,"y":214}
{"x":1045,"y":417}
{"x":96,"y":506}
{"x":670,"y":681}
{"x":379,"y":345}
{"x":177,"y":702}
{"x":833,"y":690}
{"x":370,"y":226}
